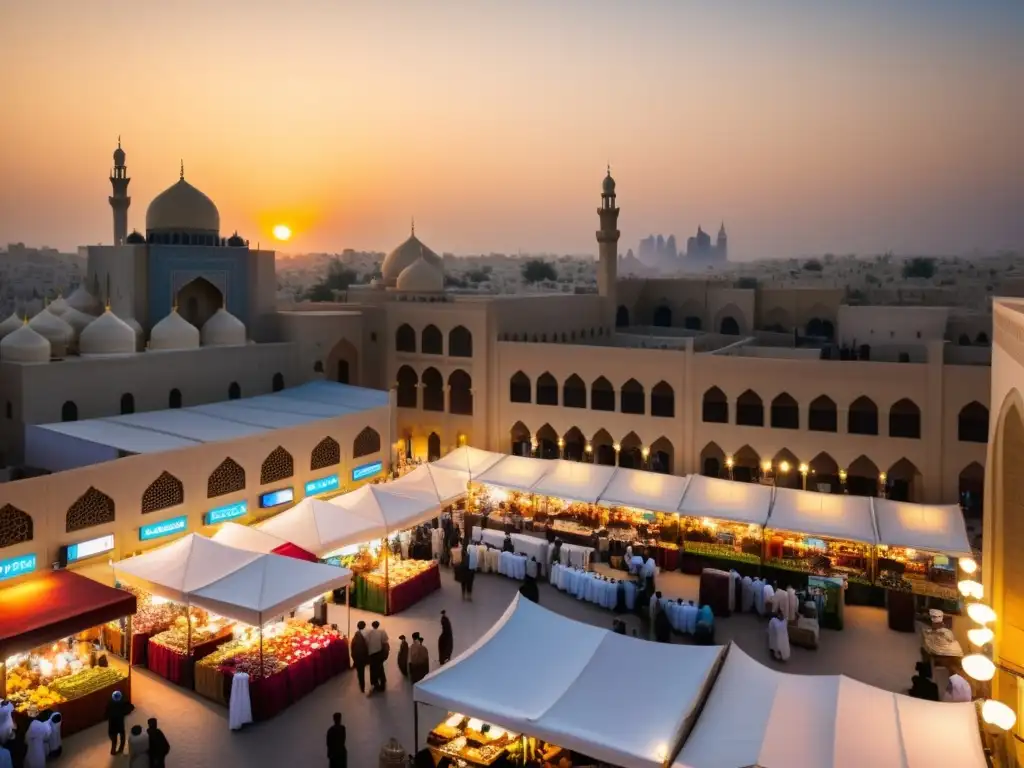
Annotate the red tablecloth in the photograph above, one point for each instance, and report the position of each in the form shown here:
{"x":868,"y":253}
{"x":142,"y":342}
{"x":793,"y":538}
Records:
{"x":269,"y":695}
{"x":85,"y":712}
{"x":140,"y":643}
{"x":176,"y":667}
{"x":411,"y":592}
{"x":302,"y":677}
{"x":667,"y":558}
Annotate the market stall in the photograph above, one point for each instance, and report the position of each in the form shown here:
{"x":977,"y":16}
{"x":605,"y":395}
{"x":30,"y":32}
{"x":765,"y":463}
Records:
{"x":722,"y":524}
{"x":51,"y":632}
{"x":256,"y":540}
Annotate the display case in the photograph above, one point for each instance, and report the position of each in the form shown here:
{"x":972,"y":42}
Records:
{"x":721,"y":539}
{"x":925,"y":573}
{"x":172,"y":653}
{"x":820,"y":556}
{"x":384,"y":583}
{"x":466,"y":740}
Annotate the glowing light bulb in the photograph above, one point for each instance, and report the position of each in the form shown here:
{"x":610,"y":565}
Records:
{"x":980,"y":636}
{"x":784,"y":467}
{"x":979,"y":667}
{"x":998,"y":714}
{"x":971,"y":588}
{"x":981,"y":613}
{"x":968,"y":565}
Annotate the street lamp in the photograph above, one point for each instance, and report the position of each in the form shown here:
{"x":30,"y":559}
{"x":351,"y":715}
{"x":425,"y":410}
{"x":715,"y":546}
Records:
{"x":616,"y":447}
{"x":533,"y":446}
{"x":645,"y":452}
{"x":804,"y":469}
{"x":784,"y":467}
{"x":561,"y":447}
{"x":882,"y":478}
{"x":588,"y":449}
{"x":766,"y":468}
{"x":729,"y":464}
{"x":842,"y":480}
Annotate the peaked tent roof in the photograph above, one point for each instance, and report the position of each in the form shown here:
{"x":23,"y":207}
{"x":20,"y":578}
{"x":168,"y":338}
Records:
{"x":936,"y":528}
{"x":574,"y":480}
{"x":472,"y":460}
{"x":645,"y":490}
{"x":447,"y":484}
{"x":256,"y":540}
{"x":726,"y":500}
{"x":321,"y":527}
{"x":835,"y":515}
{"x":517,"y":473}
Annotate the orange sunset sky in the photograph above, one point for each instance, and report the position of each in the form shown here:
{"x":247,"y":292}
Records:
{"x":808,"y":127}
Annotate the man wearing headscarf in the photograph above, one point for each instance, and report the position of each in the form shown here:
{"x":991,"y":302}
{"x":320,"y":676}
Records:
{"x":53,"y":742}
{"x":117,"y":711}
{"x":35,"y":743}
{"x":958,"y":689}
{"x":446,"y":641}
{"x":419,"y":659}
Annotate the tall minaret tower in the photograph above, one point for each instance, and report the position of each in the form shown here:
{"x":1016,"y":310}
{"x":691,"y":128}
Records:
{"x":119,"y":200}
{"x":608,"y":244}
{"x":722,"y":249}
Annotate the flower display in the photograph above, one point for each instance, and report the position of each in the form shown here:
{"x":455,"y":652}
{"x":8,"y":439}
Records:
{"x":284,"y":643}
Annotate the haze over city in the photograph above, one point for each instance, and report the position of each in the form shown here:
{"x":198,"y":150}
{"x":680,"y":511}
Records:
{"x":807,"y":128}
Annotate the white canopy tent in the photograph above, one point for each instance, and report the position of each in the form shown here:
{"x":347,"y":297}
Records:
{"x":447,"y":484}
{"x":726,"y":500}
{"x":517,"y":473}
{"x":471,"y":460}
{"x":559,"y":703}
{"x":645,"y":490}
{"x":574,"y":480}
{"x":935,"y":528}
{"x":245,"y":537}
{"x":749,"y":717}
{"x":321,"y":527}
{"x":833,"y":515}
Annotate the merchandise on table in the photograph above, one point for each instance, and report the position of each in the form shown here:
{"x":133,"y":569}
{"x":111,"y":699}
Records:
{"x":722,"y":538}
{"x":819,"y":556}
{"x":206,"y":627}
{"x":154,"y":614}
{"x":923,"y":573}
{"x":472,"y":741}
{"x":398,"y":571}
{"x":284,"y":643}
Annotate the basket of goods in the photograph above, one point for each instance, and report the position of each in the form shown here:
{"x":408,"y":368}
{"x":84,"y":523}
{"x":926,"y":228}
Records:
{"x":85,"y":682}
{"x":442,"y":734}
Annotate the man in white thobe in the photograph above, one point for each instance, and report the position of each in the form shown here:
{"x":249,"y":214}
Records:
{"x":6,"y":722}
{"x":35,"y":743}
{"x":747,"y":604}
{"x":778,"y":637}
{"x":958,"y":689}
{"x":769,"y":600}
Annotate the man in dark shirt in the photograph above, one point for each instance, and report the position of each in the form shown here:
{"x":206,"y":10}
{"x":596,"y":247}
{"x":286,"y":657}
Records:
{"x":159,"y":747}
{"x":921,"y":685}
{"x":337,"y":754}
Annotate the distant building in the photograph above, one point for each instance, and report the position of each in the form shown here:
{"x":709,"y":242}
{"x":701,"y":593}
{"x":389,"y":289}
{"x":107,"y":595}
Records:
{"x":661,"y":252}
{"x":699,"y":247}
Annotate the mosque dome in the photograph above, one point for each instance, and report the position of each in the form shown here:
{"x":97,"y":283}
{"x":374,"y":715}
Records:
{"x":58,"y":306}
{"x":608,"y":186}
{"x":140,"y":335}
{"x":173,"y":332}
{"x":78,"y":321}
{"x":135,"y":238}
{"x":118,"y":154}
{"x":235,"y":241}
{"x":223,"y":330}
{"x":54,"y":330}
{"x":406,"y":255}
{"x":10,"y":325}
{"x":25,"y":346}
{"x":182,"y":208}
{"x":421,"y":277}
{"x":107,"y":335}
{"x":84,"y":301}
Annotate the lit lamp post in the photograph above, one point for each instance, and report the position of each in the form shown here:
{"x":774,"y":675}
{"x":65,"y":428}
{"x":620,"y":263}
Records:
{"x":842,"y":480}
{"x":766,"y":469}
{"x":804,"y":469}
{"x":533,"y":446}
{"x":561,"y":448}
{"x":588,"y":451}
{"x":882,"y":478}
{"x":729,"y":464}
{"x":617,"y":447}
{"x":645,"y":453}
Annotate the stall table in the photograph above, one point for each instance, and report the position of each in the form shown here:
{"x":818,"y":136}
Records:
{"x":83,"y":712}
{"x":371,"y":597}
{"x":176,"y":667}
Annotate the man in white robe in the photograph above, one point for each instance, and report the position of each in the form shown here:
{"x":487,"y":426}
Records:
{"x":778,"y":637}
{"x":958,"y":689}
{"x":240,"y":705}
{"x":747,"y":604}
{"x":6,"y":721}
{"x":35,"y":744}
{"x":769,"y":600}
{"x":758,"y":588}
{"x":794,"y":605}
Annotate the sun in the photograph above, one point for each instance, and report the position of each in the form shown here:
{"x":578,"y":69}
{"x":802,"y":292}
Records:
{"x":282,"y":232}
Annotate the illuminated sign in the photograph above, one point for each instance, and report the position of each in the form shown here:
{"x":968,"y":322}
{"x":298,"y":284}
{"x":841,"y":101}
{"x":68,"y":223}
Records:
{"x":165,"y":528}
{"x":17,"y":566}
{"x":277,"y":498}
{"x":221,"y":514}
{"x":321,"y":485}
{"x":91,"y":548}
{"x":367,"y":470}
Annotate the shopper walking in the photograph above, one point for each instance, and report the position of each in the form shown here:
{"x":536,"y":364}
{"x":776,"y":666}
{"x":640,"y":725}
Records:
{"x":138,"y":748}
{"x":419,"y":659}
{"x":377,"y":645}
{"x":403,"y":656}
{"x":337,"y":753}
{"x":35,"y":743}
{"x":159,"y":747}
{"x":445,"y":642}
{"x":360,"y":654}
{"x":117,"y":711}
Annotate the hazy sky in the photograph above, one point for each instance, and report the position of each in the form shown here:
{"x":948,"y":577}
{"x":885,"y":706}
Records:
{"x":807,"y":126}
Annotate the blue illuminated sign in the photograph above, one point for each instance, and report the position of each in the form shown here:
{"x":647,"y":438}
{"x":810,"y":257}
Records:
{"x":90,"y":548}
{"x":323,"y":484}
{"x":222,"y":514}
{"x":165,"y":528}
{"x":277,"y":498}
{"x":367,"y":470}
{"x":17,"y":566}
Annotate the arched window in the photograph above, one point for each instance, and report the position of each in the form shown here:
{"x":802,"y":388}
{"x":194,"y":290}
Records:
{"x":663,"y":317}
{"x":460,"y":342}
{"x":621,"y":317}
{"x":174,"y":399}
{"x":278,"y":466}
{"x":905,"y":419}
{"x":750,"y":409}
{"x":366,"y":443}
{"x":163,"y":493}
{"x":574,"y":392}
{"x":431,"y":341}
{"x":234,"y":391}
{"x":519,"y":388}
{"x":663,"y":400}
{"x":785,"y":412}
{"x":277,"y":384}
{"x":460,"y":393}
{"x":325,"y":454}
{"x":433,"y":447}
{"x":408,"y":382}
{"x":729,"y":326}
{"x":318,"y":366}
{"x":92,"y":508}
{"x":862,"y":418}
{"x":520,"y":435}
{"x":981,"y":339}
{"x":433,"y":390}
{"x":632,"y":398}
{"x":822,"y":415}
{"x":602,"y":395}
{"x":127,"y":403}
{"x":715,"y":409}
{"x":228,"y":477}
{"x":692,"y":323}
{"x":15,"y":526}
{"x":547,"y":390}
{"x":405,"y":338}
{"x":69,"y":411}
{"x":972,"y":423}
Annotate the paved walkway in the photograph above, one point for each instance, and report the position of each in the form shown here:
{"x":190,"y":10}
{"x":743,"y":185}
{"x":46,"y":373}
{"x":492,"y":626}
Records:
{"x":199,"y":736}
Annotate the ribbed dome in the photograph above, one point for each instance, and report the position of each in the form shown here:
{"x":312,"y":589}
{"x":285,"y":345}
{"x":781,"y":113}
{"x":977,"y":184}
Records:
{"x":173,"y":332}
{"x":25,"y":346}
{"x":84,"y":301}
{"x":10,"y":325}
{"x":404,"y":256}
{"x":140,"y":335}
{"x":421,"y":277}
{"x":135,"y":238}
{"x":182,"y":208}
{"x":223,"y":330}
{"x":107,"y":335}
{"x":58,"y":306}
{"x":78,"y":321}
{"x":55,"y":330}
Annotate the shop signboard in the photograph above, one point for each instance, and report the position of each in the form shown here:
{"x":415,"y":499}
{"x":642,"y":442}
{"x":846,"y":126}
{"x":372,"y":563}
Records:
{"x":367,"y":470}
{"x":322,"y":485}
{"x":223,"y":514}
{"x":75,"y":552}
{"x":277,"y":498}
{"x":17,"y":566}
{"x":163,"y":528}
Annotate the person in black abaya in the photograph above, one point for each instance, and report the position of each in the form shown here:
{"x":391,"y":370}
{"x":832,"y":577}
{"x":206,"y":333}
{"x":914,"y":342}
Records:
{"x":662,"y":627}
{"x":446,"y":641}
{"x":337,"y":752}
{"x":529,"y":589}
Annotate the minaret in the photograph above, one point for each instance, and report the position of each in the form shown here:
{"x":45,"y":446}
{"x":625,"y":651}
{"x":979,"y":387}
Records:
{"x":119,"y":201}
{"x":608,"y":243}
{"x":722,"y":249}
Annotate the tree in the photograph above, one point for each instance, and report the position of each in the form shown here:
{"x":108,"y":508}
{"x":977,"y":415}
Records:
{"x":812,"y":265}
{"x":919,"y":266}
{"x":538,"y":270}
{"x":338,"y":278}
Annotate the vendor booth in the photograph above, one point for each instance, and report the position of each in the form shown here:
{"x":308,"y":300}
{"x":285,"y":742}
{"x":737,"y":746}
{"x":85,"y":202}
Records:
{"x":566,"y":705}
{"x":51,"y":642}
{"x":723,"y":524}
{"x":255,"y":540}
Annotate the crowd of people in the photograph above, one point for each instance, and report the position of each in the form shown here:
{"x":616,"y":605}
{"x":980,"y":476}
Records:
{"x":371,"y":649}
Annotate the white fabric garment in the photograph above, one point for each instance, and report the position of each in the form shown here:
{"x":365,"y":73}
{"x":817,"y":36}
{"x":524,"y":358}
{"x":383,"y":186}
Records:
{"x":958,"y":689}
{"x":690,"y":613}
{"x":747,"y":604}
{"x":652,"y":610}
{"x":650,"y":568}
{"x":5,"y":758}
{"x":768,"y":607}
{"x":53,"y":740}
{"x":758,"y":587}
{"x":778,"y":637}
{"x":35,"y":743}
{"x":793,"y":609}
{"x":636,"y":564}
{"x":474,"y":557}
{"x":436,"y":543}
{"x":240,"y":708}
{"x":6,"y":723}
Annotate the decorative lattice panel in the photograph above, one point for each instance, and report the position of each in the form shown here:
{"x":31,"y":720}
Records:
{"x":15,"y":526}
{"x":166,"y":491}
{"x":366,"y":442}
{"x":277,"y":466}
{"x":92,"y":508}
{"x":327,"y":453}
{"x":229,"y":477}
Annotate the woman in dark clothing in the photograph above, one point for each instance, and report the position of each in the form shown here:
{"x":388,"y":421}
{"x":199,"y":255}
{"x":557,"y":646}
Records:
{"x":403,"y":656}
{"x":467,"y":574}
{"x":662,"y":627}
{"x":337,"y":753}
{"x":446,"y":642}
{"x":529,"y":589}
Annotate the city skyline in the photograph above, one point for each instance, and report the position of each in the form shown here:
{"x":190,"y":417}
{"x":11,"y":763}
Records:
{"x":808,"y":130}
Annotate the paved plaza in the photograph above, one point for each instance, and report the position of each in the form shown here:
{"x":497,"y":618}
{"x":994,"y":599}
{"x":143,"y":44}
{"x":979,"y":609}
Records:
{"x":197,"y":729}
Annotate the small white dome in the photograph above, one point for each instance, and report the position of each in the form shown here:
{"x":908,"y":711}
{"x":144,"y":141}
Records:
{"x":223,"y":330}
{"x":173,"y":332}
{"x":58,"y":306}
{"x":140,"y":335}
{"x":56,"y":331}
{"x":25,"y":346}
{"x":78,"y":321}
{"x":421,"y":277}
{"x":404,"y":256}
{"x":10,"y":325}
{"x":84,"y":301}
{"x":107,"y":335}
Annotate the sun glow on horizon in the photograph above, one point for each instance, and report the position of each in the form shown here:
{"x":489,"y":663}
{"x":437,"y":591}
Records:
{"x":282,"y":232}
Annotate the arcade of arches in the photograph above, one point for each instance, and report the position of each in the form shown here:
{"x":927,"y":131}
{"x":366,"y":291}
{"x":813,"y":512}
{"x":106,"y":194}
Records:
{"x":601,"y":448}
